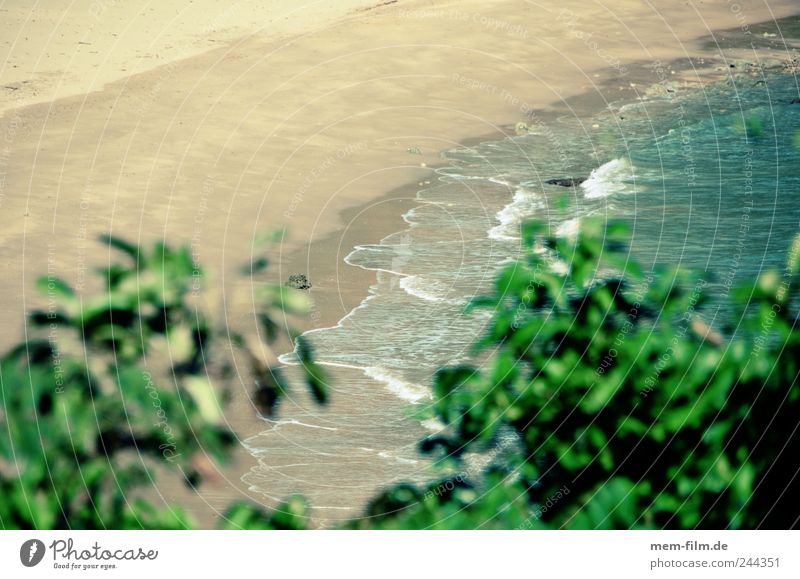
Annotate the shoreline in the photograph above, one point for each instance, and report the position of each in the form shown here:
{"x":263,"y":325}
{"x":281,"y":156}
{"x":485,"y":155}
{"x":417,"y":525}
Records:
{"x":359,"y":206}
{"x":684,"y":75}
{"x":679,"y":75}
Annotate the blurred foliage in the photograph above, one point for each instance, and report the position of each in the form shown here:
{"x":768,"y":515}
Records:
{"x":603,"y":400}
{"x":113,"y":384}
{"x":752,"y":126}
{"x":616,"y":406}
{"x":292,"y":515}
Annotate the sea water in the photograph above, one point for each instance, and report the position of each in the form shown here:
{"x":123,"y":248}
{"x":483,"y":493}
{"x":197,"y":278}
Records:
{"x":709,"y":179}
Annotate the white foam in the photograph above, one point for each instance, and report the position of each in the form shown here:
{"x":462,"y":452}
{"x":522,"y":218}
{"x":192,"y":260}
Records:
{"x":428,"y":290}
{"x":433,"y":424}
{"x":293,"y":422}
{"x":569,"y":228}
{"x":290,"y":358}
{"x":558,"y":266}
{"x":399,"y":459}
{"x":630,"y":107}
{"x":523,"y":205}
{"x":608,"y":179}
{"x":499,"y":181}
{"x":405,"y":390}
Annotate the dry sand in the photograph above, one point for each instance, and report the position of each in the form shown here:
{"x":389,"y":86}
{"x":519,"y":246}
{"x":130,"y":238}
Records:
{"x":56,"y":49}
{"x":302,"y":111}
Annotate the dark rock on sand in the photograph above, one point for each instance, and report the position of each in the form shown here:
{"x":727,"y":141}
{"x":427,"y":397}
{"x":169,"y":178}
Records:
{"x":566,"y":181}
{"x":299,"y":281}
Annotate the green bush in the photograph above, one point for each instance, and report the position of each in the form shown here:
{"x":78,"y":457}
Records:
{"x":603,"y":400}
{"x":119,"y":382}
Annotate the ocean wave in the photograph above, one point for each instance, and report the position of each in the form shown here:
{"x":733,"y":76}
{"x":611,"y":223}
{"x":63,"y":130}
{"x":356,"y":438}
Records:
{"x":433,"y":425}
{"x":608,"y":179}
{"x":407,"y":391}
{"x":569,"y":228}
{"x":523,"y":205}
{"x":278,"y":424}
{"x":426,"y":289}
{"x":396,"y":458}
{"x":500,"y":181}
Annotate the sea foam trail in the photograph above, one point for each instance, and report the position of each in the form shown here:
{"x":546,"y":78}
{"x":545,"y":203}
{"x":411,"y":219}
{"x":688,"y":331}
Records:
{"x":403,"y":389}
{"x":413,"y":393}
{"x":277,"y":424}
{"x":523,"y":205}
{"x":569,"y":228}
{"x":613,"y":177}
{"x":426,"y":289}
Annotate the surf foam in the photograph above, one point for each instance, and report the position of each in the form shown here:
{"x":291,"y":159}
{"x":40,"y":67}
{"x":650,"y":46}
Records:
{"x":608,"y":179}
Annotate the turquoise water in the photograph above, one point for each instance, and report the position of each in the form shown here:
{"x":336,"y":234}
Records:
{"x":708,"y":179}
{"x":720,"y":178}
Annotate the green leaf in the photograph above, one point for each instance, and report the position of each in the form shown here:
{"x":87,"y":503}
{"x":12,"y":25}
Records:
{"x":121,"y":245}
{"x":56,"y":288}
{"x":205,"y":396}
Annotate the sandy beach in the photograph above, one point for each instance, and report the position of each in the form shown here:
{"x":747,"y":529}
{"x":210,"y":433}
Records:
{"x":51,"y":52}
{"x":207,"y":123}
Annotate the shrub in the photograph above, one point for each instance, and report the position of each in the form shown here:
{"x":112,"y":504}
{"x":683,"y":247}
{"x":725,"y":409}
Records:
{"x":621,"y":408}
{"x":118,"y":382}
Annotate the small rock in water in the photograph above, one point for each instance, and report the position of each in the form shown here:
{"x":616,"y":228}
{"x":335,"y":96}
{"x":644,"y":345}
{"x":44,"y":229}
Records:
{"x":566,"y":181}
{"x":794,"y":102}
{"x":299,"y":281}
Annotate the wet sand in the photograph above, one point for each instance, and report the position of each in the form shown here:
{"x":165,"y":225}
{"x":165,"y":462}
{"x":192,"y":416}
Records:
{"x":329,"y":132}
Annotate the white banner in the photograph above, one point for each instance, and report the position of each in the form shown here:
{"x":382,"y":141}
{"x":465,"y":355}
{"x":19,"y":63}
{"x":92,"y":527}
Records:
{"x":418,"y":554}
